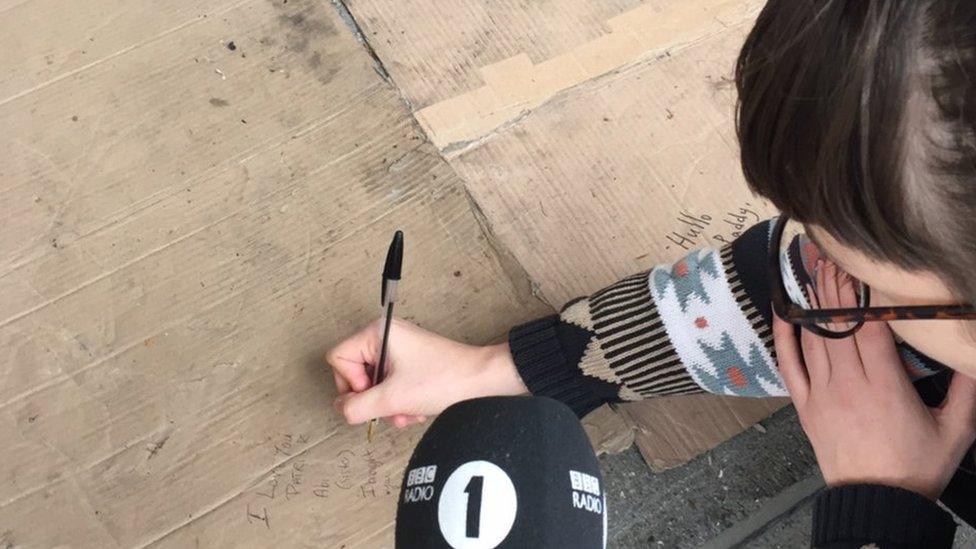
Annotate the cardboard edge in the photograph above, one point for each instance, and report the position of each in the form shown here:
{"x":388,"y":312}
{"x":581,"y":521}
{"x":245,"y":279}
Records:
{"x":515,"y":85}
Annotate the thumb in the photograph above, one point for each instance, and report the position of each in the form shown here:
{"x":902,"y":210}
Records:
{"x":959,"y":407}
{"x":369,"y":404}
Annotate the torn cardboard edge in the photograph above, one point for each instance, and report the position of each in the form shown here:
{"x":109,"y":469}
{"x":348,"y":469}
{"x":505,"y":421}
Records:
{"x":607,"y":431}
{"x":515,"y":85}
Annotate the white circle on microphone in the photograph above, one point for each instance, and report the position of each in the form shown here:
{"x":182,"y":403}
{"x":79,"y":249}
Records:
{"x":477,"y":506}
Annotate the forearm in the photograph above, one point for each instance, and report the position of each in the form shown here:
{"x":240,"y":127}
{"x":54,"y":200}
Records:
{"x":680,"y":328}
{"x":701,"y":324}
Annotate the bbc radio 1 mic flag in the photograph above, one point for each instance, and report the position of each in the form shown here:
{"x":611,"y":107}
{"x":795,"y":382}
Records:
{"x":503,"y":472}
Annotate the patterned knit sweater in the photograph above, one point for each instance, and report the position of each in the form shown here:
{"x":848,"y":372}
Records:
{"x":704,"y":324}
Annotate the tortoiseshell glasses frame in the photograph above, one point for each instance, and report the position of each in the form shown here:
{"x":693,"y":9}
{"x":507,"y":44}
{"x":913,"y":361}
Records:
{"x":813,"y":319}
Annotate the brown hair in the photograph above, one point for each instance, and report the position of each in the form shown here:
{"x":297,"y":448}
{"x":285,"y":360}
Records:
{"x":859,"y":116}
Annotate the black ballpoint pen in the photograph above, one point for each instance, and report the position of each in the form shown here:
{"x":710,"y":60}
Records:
{"x":391,"y":276}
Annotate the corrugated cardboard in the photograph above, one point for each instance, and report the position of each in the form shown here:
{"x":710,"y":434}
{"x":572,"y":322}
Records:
{"x":592,"y":158}
{"x":195,"y":200}
{"x":186,"y":228}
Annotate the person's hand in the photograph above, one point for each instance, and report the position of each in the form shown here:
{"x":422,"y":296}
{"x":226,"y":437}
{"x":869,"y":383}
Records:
{"x":866,"y":422}
{"x":425,"y":373}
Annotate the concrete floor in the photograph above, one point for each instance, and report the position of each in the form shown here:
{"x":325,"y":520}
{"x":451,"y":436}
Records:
{"x":755,"y":490}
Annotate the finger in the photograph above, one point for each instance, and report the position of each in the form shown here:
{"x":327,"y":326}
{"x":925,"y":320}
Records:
{"x":369,"y":404}
{"x":815,"y":357}
{"x":845,"y":361}
{"x":400,"y":420}
{"x":417,"y":420}
{"x":819,"y":369}
{"x":847,"y":295}
{"x":959,"y":407}
{"x":876,"y":346}
{"x":881,"y":360}
{"x":349,"y":358}
{"x":789,"y":361}
{"x":814,"y":302}
{"x":342,"y":386}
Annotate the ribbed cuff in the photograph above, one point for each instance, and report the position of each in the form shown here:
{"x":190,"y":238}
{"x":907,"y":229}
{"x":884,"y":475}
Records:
{"x":888,"y":516}
{"x":542,"y":364}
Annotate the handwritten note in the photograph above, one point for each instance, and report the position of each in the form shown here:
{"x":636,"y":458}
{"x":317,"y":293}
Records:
{"x":354,"y":472}
{"x":694,"y":230}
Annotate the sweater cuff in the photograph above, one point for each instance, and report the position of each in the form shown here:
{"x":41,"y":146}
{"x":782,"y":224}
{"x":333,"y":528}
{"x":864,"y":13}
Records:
{"x":541,"y":362}
{"x":887,"y":516}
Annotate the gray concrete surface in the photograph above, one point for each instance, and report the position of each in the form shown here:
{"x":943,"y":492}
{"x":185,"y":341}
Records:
{"x":690,"y":505}
{"x":753,"y":491}
{"x":791,"y":531}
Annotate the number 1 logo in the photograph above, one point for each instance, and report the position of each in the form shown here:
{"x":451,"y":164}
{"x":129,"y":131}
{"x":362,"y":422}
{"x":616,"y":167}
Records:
{"x":477,"y":506}
{"x":473,"y":522}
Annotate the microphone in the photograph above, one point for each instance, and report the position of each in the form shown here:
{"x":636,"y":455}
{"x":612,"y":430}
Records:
{"x":503,"y":472}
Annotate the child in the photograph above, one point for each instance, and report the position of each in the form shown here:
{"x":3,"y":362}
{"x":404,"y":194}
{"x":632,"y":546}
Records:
{"x":857,"y":119}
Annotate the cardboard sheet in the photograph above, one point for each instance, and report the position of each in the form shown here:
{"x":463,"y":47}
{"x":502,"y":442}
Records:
{"x":187,"y":227}
{"x":435,"y":49}
{"x":192,"y":198}
{"x":624,"y":162}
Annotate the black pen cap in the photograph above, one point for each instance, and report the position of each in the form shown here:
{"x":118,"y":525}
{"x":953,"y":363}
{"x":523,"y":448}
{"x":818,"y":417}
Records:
{"x":394,"y":258}
{"x":391,"y":271}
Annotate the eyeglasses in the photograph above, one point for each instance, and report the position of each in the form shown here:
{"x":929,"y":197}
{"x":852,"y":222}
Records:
{"x":794,"y":256}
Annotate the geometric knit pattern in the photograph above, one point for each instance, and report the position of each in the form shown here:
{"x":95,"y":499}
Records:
{"x":696,"y":325}
{"x":745,"y":303}
{"x":712,"y":335}
{"x":628,"y":345}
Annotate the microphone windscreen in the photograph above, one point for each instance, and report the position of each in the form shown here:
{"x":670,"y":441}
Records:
{"x":503,"y":472}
